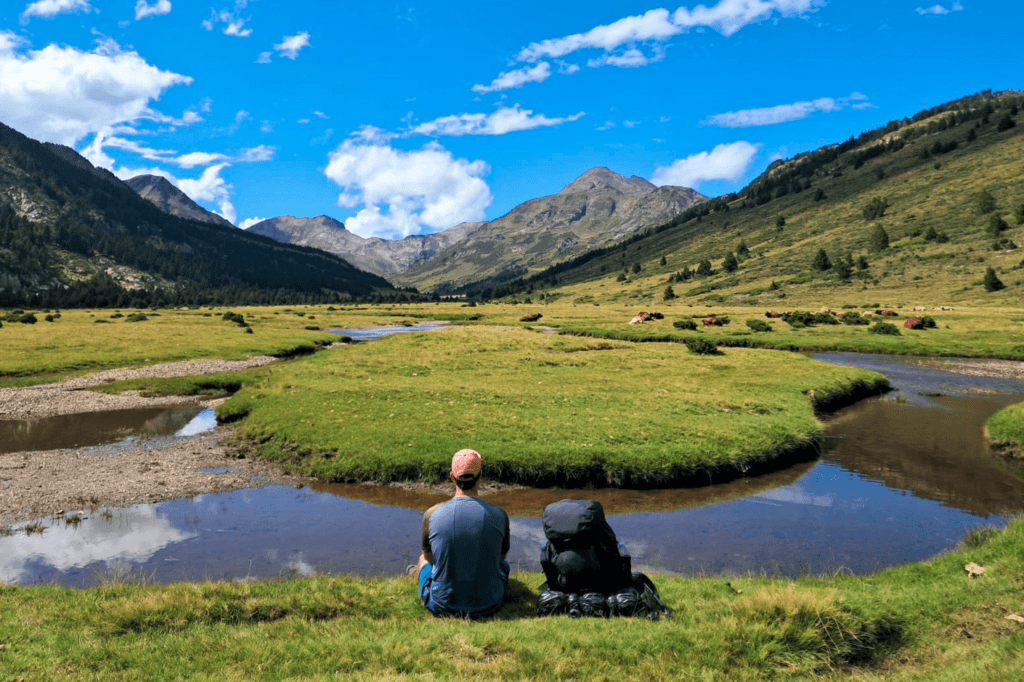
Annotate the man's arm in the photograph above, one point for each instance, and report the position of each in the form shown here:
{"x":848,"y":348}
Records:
{"x":425,"y":542}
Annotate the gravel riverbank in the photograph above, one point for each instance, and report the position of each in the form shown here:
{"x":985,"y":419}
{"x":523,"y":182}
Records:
{"x":37,"y":484}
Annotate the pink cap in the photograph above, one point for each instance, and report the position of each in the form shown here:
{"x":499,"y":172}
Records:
{"x":466,"y":463}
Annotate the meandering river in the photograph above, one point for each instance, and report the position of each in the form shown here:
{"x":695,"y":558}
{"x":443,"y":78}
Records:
{"x":898,"y":480}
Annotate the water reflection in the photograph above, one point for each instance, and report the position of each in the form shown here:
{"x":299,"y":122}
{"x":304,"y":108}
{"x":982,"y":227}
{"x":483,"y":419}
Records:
{"x":374,"y":333}
{"x":76,"y":551}
{"x":121,"y":428}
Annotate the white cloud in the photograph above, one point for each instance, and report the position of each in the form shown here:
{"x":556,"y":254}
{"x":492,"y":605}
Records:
{"x":193,"y":159}
{"x":423,"y":190}
{"x":608,"y":125}
{"x":144,"y":9}
{"x":631,"y":124}
{"x":249,"y":222}
{"x":62,"y":94}
{"x":567,"y":68}
{"x":290,"y":45}
{"x":517,"y":78}
{"x":783,"y":113}
{"x":263,"y":58}
{"x":47,"y":9}
{"x":939,"y":9}
{"x":724,"y":162}
{"x":233,"y":25}
{"x":211,"y":187}
{"x":504,"y":120}
{"x":320,"y":114}
{"x":254,"y":154}
{"x":653,"y":28}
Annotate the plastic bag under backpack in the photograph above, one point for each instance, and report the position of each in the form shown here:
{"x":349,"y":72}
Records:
{"x":582,"y":553}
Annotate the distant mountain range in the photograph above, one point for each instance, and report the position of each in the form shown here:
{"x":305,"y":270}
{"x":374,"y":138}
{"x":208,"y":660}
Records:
{"x":598,"y":208}
{"x":63,"y":221}
{"x":376,"y":255}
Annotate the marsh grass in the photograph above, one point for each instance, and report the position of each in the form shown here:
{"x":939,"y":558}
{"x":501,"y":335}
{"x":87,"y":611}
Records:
{"x":1007,"y":426}
{"x":905,"y":623}
{"x":544,"y":409}
{"x":211,"y":385}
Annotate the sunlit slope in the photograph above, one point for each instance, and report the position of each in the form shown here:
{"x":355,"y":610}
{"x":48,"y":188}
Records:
{"x":953,"y":207}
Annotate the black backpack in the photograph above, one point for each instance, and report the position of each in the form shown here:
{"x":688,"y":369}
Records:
{"x":582,"y":553}
{"x":586,"y":574}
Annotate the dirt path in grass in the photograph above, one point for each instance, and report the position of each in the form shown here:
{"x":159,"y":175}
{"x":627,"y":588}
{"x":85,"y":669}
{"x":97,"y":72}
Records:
{"x":37,"y":484}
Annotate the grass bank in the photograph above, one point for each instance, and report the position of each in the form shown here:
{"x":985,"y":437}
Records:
{"x":1005,"y":429}
{"x":926,"y":621}
{"x":543,"y":409}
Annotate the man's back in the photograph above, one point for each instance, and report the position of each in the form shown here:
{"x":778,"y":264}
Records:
{"x":468,"y":539}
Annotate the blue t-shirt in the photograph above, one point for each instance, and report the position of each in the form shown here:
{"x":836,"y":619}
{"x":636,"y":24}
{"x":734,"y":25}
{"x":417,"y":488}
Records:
{"x":468,"y":539}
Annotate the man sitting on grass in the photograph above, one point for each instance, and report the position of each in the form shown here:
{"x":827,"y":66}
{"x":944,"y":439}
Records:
{"x":462,"y":570}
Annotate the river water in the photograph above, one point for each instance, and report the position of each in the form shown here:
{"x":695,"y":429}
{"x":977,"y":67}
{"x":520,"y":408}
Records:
{"x":898,"y":480}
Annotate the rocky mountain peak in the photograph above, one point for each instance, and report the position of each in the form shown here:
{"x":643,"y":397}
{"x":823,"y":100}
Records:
{"x":602,"y":178}
{"x":161,"y":193}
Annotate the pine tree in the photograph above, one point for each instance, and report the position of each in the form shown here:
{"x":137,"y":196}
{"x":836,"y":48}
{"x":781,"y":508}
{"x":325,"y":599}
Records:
{"x":992,"y":281}
{"x":730,"y":264}
{"x":879,"y":238}
{"x":821,"y":261}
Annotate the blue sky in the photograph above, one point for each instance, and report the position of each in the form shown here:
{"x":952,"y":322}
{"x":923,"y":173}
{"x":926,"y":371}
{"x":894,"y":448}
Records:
{"x":404,"y":118}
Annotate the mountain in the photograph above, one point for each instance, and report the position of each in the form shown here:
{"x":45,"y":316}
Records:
{"x":169,"y":199}
{"x":62,"y":221}
{"x":912,"y":213}
{"x":376,"y":255}
{"x":596,"y":209}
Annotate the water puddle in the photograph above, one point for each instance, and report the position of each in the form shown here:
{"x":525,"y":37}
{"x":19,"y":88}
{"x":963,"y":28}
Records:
{"x":117,"y":429}
{"x":897,"y":482}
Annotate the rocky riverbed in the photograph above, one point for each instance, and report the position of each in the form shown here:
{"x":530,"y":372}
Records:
{"x":36,"y":484}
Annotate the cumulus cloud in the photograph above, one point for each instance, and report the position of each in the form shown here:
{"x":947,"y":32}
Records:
{"x":939,"y":9}
{"x":211,"y":187}
{"x":406,"y":192}
{"x":255,"y":154}
{"x":724,"y":162}
{"x":783,"y":113}
{"x":504,"y":120}
{"x":517,"y":78}
{"x":621,"y":39}
{"x":290,"y":45}
{"x":249,"y":222}
{"x":48,"y":9}
{"x":233,"y":24}
{"x":263,"y":58}
{"x":62,"y":94}
{"x":144,"y":9}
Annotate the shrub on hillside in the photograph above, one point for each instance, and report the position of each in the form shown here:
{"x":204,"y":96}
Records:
{"x":929,"y":322}
{"x":876,"y":208}
{"x":136,"y":317}
{"x":27,"y":318}
{"x":700,"y":346}
{"x":992,"y":281}
{"x":686,"y":324}
{"x":884,"y":328}
{"x":799,"y":318}
{"x":759,"y":325}
{"x":237,"y":318}
{"x":853,"y":318}
{"x":825,"y":318}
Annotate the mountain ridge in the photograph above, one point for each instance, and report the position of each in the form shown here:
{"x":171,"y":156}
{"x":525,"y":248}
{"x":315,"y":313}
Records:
{"x":164,"y":195}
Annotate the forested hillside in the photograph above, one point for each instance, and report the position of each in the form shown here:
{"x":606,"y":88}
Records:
{"x":927,"y":202}
{"x":61,"y":223}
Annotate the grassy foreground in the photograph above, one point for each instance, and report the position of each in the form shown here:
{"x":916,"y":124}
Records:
{"x":542,"y":408}
{"x":926,"y":621}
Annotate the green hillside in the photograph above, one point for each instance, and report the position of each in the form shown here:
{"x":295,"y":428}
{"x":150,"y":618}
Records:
{"x":946,"y":187}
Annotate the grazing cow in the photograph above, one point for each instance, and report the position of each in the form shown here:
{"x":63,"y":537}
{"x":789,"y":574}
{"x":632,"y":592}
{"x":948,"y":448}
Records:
{"x":914,"y":323}
{"x":641,"y":317}
{"x":826,"y":310}
{"x":888,"y":313}
{"x":530,"y":318}
{"x":772,"y":313}
{"x":943,"y":307}
{"x":866,"y":313}
{"x":711,"y":321}
{"x":920,"y":307}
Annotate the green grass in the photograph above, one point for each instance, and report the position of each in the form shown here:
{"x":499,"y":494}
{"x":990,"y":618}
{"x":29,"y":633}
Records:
{"x":543,"y":409}
{"x":1007,"y":425}
{"x":210,"y":385}
{"x":925,"y":621}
